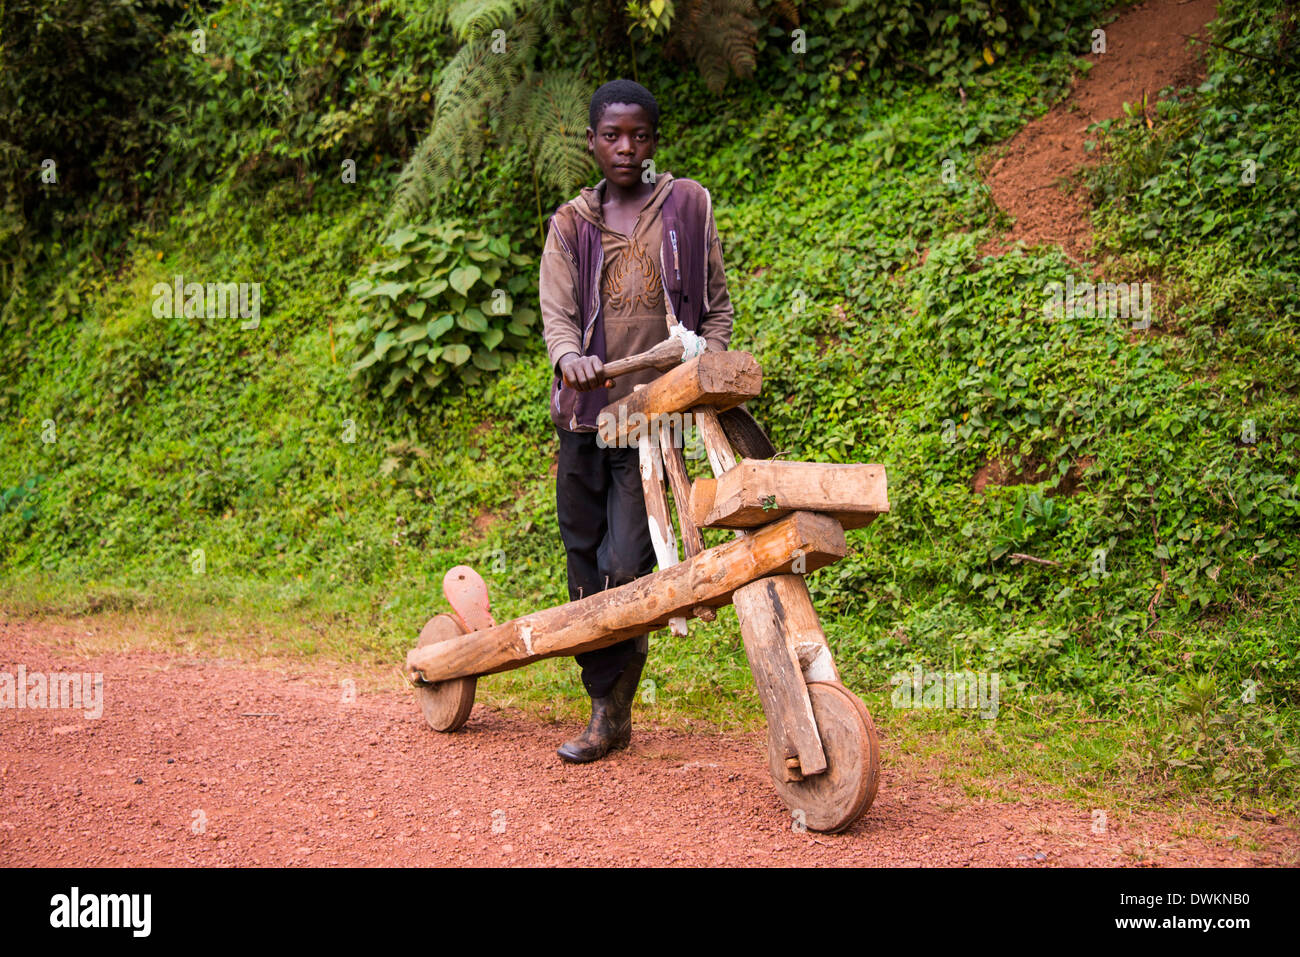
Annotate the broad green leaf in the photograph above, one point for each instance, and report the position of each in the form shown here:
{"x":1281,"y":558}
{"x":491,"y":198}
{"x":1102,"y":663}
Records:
{"x":436,"y":327}
{"x":487,"y":361}
{"x":390,"y":289}
{"x":432,"y":288}
{"x":472,"y":319}
{"x":360,"y":287}
{"x":413,"y":333}
{"x":382,"y":342}
{"x":416,"y":310}
{"x":400,"y":238}
{"x":464,"y":277}
{"x":456,"y":354}
{"x":492,"y":338}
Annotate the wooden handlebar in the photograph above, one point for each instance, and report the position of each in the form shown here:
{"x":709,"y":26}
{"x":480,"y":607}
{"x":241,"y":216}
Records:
{"x":663,"y":357}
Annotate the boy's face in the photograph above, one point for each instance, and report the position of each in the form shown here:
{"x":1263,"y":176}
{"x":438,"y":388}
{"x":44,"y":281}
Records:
{"x":624,"y":138}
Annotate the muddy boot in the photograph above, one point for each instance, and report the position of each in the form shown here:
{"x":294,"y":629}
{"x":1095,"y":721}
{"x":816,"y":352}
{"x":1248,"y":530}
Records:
{"x":610,"y":727}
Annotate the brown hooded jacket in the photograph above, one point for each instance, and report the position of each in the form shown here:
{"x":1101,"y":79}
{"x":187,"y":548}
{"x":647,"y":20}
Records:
{"x":644,"y":287}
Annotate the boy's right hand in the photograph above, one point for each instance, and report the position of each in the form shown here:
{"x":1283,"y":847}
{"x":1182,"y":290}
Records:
{"x":583,"y":373}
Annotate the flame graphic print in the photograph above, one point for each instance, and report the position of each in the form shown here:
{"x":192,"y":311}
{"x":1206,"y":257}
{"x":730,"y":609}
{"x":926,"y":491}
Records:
{"x":632,"y":280}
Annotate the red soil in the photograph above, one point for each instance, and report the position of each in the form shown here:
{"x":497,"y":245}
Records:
{"x":210,"y":762}
{"x":1145,"y":52}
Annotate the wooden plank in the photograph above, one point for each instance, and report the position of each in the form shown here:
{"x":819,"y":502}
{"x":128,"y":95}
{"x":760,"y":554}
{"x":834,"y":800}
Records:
{"x":692,"y":540}
{"x":661,"y":524}
{"x":802,"y":628}
{"x":607,"y":617}
{"x":777,"y":674}
{"x":675,"y":465}
{"x":721,"y":456}
{"x":716,"y":443}
{"x":756,"y":492}
{"x":718,"y":379}
{"x":703,"y":491}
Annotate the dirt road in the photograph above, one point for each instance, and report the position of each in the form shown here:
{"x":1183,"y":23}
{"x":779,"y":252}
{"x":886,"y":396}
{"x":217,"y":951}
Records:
{"x":209,"y":762}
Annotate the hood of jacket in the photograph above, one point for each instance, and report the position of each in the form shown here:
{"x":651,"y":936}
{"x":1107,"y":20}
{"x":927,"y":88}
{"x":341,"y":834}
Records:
{"x":588,"y":202}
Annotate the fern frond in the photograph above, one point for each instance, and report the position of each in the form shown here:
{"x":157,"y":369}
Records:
{"x":474,"y":80}
{"x":546,"y":111}
{"x":473,"y":19}
{"x":720,"y":36}
{"x":546,"y":14}
{"x":430,"y":17}
{"x":563,"y":164}
{"x":787,"y":11}
{"x":517,"y":109}
{"x":557,"y":126}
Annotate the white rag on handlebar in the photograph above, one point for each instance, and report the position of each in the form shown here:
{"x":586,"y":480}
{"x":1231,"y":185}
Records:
{"x":692,"y":345}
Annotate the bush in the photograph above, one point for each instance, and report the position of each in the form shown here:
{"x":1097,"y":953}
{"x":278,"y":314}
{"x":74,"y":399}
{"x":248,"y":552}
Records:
{"x":442,"y":307}
{"x":86,"y":86}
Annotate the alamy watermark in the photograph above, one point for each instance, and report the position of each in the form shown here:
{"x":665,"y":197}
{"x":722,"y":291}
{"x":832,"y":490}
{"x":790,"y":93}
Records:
{"x":946,"y":689}
{"x":39,"y":690}
{"x":213,"y":300}
{"x":75,"y":909}
{"x":1122,"y":300}
{"x":631,"y":429}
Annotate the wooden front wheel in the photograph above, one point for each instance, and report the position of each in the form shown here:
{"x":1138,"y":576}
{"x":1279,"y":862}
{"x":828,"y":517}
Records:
{"x":833,"y":800}
{"x":446,"y":704}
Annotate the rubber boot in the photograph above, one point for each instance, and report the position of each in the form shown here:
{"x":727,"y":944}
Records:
{"x":610,"y":727}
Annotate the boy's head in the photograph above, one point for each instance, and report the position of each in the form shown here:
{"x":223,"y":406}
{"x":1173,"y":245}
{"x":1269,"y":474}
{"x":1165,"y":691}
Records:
{"x":624,"y":130}
{"x":626,"y":92}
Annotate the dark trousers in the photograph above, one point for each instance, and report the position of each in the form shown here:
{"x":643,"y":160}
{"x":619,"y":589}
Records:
{"x":601,"y":509}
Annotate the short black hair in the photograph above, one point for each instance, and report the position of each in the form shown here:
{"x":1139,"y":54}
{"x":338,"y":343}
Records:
{"x":623,"y":91}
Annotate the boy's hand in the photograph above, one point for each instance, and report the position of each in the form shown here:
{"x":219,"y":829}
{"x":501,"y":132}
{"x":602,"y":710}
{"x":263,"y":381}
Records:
{"x":583,"y":373}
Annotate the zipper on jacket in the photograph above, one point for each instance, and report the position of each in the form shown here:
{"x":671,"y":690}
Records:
{"x":672,"y":234}
{"x":669,"y":314}
{"x":595,"y":300}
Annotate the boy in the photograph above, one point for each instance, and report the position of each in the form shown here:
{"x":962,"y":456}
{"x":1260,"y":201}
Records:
{"x":620,"y":259}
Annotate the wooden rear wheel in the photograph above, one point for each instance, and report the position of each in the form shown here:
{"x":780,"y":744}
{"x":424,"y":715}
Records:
{"x":833,"y":800}
{"x":446,"y":704}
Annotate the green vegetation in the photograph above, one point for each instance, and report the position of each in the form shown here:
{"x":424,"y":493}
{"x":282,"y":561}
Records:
{"x":426,"y":324}
{"x":1107,"y":517}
